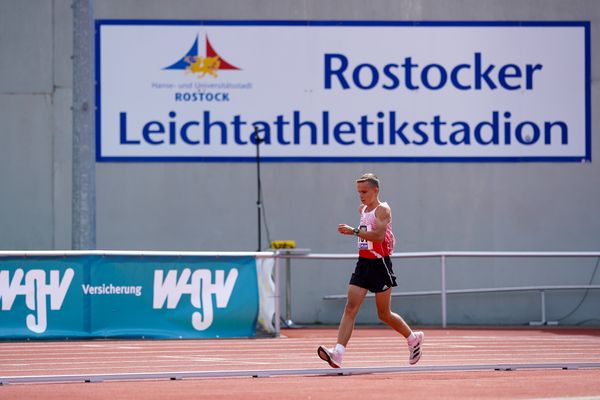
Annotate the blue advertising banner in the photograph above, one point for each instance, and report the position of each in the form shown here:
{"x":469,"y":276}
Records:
{"x":128,"y":296}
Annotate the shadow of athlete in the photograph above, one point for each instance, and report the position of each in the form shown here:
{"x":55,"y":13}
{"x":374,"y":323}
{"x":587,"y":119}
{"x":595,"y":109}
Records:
{"x":373,"y":273}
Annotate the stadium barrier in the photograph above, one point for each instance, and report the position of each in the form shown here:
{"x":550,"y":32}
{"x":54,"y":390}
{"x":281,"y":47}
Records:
{"x":98,"y":294}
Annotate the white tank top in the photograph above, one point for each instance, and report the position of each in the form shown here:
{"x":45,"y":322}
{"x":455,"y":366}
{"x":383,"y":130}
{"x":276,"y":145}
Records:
{"x":368,"y":249}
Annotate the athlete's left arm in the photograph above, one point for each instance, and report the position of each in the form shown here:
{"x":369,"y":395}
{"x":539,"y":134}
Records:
{"x":383,"y":216}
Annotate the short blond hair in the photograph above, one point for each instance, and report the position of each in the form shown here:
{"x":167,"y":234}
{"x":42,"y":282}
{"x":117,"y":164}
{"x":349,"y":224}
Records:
{"x":370,"y":178}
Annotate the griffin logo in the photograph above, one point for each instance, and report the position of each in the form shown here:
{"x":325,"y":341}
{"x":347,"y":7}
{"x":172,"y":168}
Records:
{"x":201,"y":65}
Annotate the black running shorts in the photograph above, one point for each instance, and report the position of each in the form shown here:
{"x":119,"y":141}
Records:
{"x":374,"y":274}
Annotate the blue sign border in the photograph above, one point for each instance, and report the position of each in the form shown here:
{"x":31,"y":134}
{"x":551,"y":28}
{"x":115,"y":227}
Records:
{"x":588,"y":116}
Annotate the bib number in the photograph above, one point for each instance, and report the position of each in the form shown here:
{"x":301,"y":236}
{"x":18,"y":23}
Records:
{"x":363,"y":244}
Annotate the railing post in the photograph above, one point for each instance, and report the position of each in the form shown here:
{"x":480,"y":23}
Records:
{"x":443,"y":290}
{"x":288,"y":293}
{"x":277,"y":295}
{"x":288,"y":283}
{"x":543,"y":301}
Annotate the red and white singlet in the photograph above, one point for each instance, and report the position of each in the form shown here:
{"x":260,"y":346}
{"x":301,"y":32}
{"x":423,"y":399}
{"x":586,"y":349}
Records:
{"x":367,"y":249}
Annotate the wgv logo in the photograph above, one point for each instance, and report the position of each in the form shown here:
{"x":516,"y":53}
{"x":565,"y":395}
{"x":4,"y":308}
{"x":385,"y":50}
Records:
{"x":35,"y":289}
{"x":199,"y":285}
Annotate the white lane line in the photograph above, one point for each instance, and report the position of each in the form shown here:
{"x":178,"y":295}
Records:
{"x":129,"y":376}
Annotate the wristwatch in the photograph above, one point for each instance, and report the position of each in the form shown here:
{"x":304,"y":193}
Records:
{"x":355,"y":231}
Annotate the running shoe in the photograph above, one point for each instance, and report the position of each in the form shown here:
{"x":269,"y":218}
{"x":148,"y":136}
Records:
{"x":332,"y":357}
{"x":414,"y":348}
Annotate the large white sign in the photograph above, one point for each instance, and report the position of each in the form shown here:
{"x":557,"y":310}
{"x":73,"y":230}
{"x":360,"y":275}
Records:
{"x":343,"y":91}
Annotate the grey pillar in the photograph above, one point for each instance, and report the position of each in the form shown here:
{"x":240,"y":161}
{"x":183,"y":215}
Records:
{"x":84,"y":169}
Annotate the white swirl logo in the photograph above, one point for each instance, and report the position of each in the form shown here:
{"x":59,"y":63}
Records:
{"x":35,"y":289}
{"x":199,"y":286}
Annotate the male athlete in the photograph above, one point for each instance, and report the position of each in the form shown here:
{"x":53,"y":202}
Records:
{"x":373,"y":273}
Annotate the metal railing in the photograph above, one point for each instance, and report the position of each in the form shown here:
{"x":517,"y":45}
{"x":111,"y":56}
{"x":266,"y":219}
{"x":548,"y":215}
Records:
{"x":444,"y":292}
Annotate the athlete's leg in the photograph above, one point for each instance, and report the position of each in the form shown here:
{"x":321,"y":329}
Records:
{"x":385,"y":314}
{"x":333,"y":356}
{"x":414,"y":339}
{"x":356,"y":295}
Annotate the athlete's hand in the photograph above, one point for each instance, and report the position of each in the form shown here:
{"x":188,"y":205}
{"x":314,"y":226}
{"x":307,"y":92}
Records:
{"x":345,"y":229}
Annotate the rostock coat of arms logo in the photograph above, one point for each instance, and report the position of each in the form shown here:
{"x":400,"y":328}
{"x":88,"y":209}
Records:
{"x":202,"y":65}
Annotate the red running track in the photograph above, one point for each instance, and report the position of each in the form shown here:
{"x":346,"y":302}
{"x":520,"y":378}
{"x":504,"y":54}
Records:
{"x":441,"y":373}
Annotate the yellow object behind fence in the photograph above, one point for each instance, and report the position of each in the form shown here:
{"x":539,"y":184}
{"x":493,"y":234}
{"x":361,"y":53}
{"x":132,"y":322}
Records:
{"x":283,"y":244}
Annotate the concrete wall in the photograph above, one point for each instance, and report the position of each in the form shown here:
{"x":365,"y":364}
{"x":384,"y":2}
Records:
{"x":437,"y":206}
{"x":35,"y":102}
